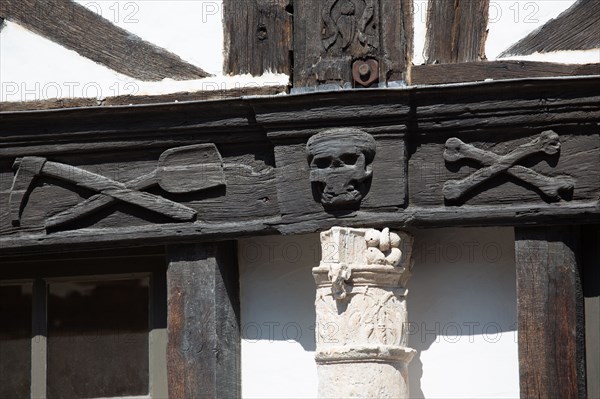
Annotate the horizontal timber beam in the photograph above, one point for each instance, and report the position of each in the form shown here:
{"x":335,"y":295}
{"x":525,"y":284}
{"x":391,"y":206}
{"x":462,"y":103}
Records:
{"x":516,"y":152}
{"x":495,"y":70}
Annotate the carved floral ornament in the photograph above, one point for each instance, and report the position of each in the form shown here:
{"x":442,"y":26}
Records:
{"x":340,"y":167}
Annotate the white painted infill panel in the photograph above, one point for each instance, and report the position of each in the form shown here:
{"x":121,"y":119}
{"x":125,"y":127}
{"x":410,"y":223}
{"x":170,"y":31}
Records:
{"x":461,"y":306}
{"x":34,"y":68}
{"x":509,"y":22}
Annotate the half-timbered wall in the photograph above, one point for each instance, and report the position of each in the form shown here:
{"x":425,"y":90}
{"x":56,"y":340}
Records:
{"x":36,"y":68}
{"x":520,"y":153}
{"x":462,"y":315}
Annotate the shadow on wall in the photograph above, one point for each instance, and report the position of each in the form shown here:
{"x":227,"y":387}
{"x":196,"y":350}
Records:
{"x":462,"y":314}
{"x":461,"y":307}
{"x":277,"y":293}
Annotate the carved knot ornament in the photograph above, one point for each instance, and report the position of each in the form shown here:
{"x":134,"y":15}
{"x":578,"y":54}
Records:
{"x":340,"y":167}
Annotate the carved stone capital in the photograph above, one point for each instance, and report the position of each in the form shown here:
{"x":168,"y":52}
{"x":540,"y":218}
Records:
{"x":361,"y":313}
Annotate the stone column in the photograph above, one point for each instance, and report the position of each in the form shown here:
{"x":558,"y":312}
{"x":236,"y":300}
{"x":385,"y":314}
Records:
{"x":361,"y":313}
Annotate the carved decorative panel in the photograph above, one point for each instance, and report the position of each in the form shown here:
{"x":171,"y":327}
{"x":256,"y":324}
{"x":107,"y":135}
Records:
{"x":349,"y":43}
{"x":547,"y":143}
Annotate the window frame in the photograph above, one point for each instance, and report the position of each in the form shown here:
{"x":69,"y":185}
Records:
{"x":30,"y":271}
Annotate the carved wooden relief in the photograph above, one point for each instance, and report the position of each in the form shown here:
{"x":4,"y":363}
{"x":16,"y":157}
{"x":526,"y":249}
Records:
{"x":180,"y":170}
{"x":547,"y":142}
{"x":183,"y":184}
{"x":350,"y":26}
{"x":337,"y":38}
{"x":496,"y":153}
{"x":340,"y":167}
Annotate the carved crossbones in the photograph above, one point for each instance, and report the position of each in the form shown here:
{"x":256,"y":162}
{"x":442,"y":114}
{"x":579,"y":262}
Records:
{"x":548,"y":142}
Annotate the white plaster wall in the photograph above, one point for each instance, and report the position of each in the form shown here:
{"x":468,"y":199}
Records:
{"x":35,"y":68}
{"x":509,"y":22}
{"x":462,"y":310}
{"x":277,"y":293}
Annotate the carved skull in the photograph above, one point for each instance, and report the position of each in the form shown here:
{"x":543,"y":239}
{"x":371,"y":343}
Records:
{"x":340,"y":166}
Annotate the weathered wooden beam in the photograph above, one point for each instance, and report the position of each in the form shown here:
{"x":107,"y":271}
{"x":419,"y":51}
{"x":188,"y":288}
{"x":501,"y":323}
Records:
{"x":77,"y":28}
{"x":550,"y":312}
{"x":269,"y":192}
{"x":591,"y":291}
{"x":456,"y":31}
{"x":495,"y":70}
{"x":142,"y":99}
{"x":203,"y":356}
{"x":258,"y":36}
{"x":333,"y":38}
{"x":578,"y":28}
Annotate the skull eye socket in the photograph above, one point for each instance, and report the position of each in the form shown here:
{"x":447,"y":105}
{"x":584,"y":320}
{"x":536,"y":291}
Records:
{"x":349,"y":159}
{"x":322,"y":162}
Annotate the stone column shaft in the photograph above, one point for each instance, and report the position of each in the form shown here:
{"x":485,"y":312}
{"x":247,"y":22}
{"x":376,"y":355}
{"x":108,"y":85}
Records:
{"x":361,"y":313}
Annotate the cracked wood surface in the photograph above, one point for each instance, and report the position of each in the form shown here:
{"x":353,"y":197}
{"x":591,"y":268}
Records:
{"x":456,"y":31}
{"x":578,"y":28}
{"x":203,"y":354}
{"x":77,"y":28}
{"x":258,"y":36}
{"x":550,"y":312}
{"x":263,"y":145}
{"x":495,"y":70}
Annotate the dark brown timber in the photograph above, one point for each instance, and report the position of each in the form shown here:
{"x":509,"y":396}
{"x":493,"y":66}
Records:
{"x":258,"y":36}
{"x":591,"y":293}
{"x":203,"y":356}
{"x":207,"y":95}
{"x":267,"y":188}
{"x":456,"y":31}
{"x":77,"y":28}
{"x":550,"y":312}
{"x":578,"y":28}
{"x":331,"y":35}
{"x":496,"y":70}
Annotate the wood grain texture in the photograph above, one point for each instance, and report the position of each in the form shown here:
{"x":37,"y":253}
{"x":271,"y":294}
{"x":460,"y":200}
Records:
{"x":496,"y":70}
{"x":456,"y":31}
{"x":327,"y":41}
{"x":250,"y":192}
{"x":590,"y":236}
{"x":77,"y":28}
{"x":387,"y":189}
{"x":578,"y":28}
{"x":429,"y":172}
{"x":262,"y":143}
{"x":258,"y":36}
{"x":203,"y":355}
{"x":208,"y":95}
{"x":550,"y":312}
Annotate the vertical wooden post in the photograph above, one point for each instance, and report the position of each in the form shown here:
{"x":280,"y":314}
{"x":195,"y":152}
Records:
{"x":258,"y":36}
{"x":591,"y":292}
{"x":203,"y":351}
{"x":550,"y":312}
{"x":456,"y":31}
